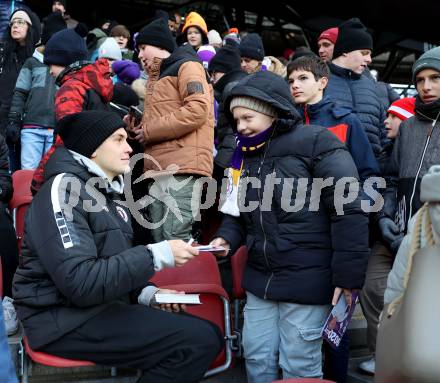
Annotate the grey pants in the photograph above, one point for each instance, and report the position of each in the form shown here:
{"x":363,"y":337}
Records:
{"x":175,"y":208}
{"x":371,"y":297}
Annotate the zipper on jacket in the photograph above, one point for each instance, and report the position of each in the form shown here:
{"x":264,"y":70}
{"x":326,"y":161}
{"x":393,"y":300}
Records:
{"x":261,"y":223}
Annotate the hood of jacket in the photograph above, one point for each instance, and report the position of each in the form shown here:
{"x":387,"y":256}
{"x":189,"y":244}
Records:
{"x":267,"y":87}
{"x":98,"y":33}
{"x":181,"y":54}
{"x":230,"y":79}
{"x":94,"y":75}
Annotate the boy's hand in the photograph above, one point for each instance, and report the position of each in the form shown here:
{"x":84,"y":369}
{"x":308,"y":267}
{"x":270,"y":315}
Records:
{"x":219,"y":241}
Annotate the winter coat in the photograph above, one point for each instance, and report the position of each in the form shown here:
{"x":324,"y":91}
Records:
{"x":296,"y":256}
{"x":347,"y":127}
{"x":359,"y":93}
{"x":402,"y":168}
{"x":5,"y":177}
{"x":224,"y":132}
{"x":12,"y":58}
{"x":83,"y":86}
{"x":395,"y":284}
{"x":386,"y":93}
{"x":33,"y":101}
{"x":74,"y":263}
{"x":178,"y":118}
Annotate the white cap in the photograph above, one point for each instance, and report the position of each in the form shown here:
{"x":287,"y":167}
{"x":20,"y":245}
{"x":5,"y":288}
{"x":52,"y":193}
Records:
{"x":110,"y":49}
{"x":214,"y":37}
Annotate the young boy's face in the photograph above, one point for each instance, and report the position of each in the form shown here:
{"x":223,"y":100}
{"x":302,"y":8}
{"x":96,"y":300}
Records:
{"x":305,"y":88}
{"x":428,"y":85}
{"x":249,"y":122}
{"x":358,"y":60}
{"x":392,"y":124}
{"x":249,"y":65}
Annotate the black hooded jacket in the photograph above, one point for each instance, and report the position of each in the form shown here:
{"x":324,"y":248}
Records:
{"x":5,"y":177}
{"x":296,"y":254}
{"x":225,"y":134}
{"x":12,"y":58}
{"x":75,"y":263}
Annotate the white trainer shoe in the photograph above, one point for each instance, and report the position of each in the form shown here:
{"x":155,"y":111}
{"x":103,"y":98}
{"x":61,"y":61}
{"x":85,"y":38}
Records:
{"x":368,"y":366}
{"x":10,"y":316}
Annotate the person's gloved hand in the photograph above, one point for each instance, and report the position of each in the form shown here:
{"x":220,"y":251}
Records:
{"x":390,"y":231}
{"x":13,"y":131}
{"x":396,"y":243}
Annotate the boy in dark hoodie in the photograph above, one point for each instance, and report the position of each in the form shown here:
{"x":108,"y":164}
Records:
{"x":83,"y":85}
{"x":300,"y":259}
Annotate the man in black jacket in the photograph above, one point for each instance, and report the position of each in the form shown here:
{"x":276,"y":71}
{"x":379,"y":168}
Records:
{"x":82,"y":290}
{"x":8,"y":250}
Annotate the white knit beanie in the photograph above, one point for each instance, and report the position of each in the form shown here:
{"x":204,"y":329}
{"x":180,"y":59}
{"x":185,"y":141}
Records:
{"x":214,"y":37}
{"x":22,"y":15}
{"x":253,"y":104}
{"x":110,"y":49}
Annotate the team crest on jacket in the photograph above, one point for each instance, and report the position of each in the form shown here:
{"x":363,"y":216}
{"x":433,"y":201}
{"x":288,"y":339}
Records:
{"x":122,"y":213}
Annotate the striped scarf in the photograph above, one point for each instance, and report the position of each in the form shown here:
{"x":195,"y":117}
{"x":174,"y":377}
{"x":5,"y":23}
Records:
{"x":244,"y":145}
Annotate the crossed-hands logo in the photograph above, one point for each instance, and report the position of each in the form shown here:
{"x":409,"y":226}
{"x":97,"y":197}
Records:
{"x":163,"y":181}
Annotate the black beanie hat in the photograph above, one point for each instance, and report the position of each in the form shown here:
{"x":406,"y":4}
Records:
{"x":352,"y":36}
{"x":227,"y":58}
{"x":84,"y":132}
{"x":53,"y":23}
{"x":64,"y":48}
{"x":252,"y":47}
{"x":157,"y":34}
{"x":63,"y":2}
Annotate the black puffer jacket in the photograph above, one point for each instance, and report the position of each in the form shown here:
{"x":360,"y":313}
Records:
{"x":297,"y":256}
{"x":74,"y":265}
{"x":5,"y":177}
{"x":359,"y":93}
{"x":12,"y":58}
{"x":225,"y":135}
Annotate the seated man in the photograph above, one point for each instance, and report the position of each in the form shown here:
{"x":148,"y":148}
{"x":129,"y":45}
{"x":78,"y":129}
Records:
{"x":81,"y":289}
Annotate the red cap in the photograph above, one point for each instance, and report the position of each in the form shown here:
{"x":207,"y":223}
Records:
{"x":403,"y":108}
{"x":233,"y":30}
{"x":330,"y":34}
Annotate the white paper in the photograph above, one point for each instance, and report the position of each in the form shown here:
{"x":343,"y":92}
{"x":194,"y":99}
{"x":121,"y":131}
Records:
{"x":212,"y":249}
{"x":190,"y":299}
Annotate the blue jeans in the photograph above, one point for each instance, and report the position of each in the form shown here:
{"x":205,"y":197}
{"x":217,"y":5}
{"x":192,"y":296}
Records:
{"x":7,"y":371}
{"x":282,"y":335}
{"x":34,"y":144}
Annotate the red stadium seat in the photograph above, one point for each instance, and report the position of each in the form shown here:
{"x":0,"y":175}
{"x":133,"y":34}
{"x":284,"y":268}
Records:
{"x":201,"y":275}
{"x":46,"y":360}
{"x":21,"y":198}
{"x":238,"y":263}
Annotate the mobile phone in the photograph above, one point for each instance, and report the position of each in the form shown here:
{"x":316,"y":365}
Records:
{"x":135,"y":113}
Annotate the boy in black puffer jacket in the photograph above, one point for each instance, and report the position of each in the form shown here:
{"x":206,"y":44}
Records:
{"x":303,"y":251}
